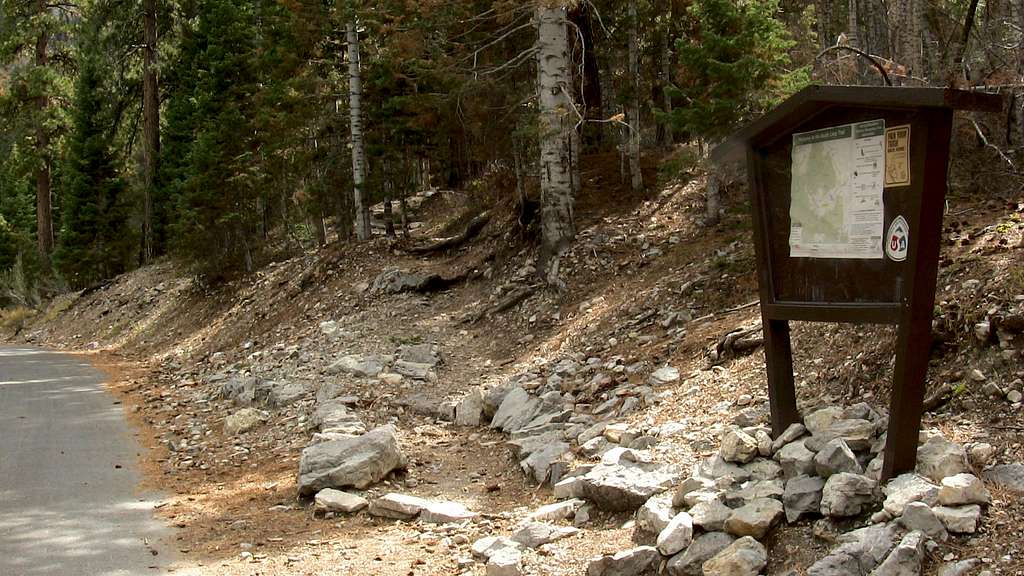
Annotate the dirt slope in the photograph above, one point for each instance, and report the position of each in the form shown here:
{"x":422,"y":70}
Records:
{"x":647,"y":285}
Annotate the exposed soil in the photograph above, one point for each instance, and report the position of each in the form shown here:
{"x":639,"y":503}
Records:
{"x":161,"y":337}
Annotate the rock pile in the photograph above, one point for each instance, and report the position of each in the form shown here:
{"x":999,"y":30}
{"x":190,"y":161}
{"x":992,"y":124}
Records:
{"x":828,"y":466}
{"x":546,"y":411}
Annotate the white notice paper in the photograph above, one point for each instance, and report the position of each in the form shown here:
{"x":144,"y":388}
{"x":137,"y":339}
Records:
{"x":836,"y":208}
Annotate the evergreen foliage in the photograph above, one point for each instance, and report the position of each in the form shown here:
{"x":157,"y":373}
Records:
{"x":95,"y":240}
{"x":735,"y":63}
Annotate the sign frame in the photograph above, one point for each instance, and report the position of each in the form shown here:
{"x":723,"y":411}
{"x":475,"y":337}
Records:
{"x":846,"y":290}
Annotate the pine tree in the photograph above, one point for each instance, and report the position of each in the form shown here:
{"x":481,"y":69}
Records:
{"x":95,"y":240}
{"x":735,"y":64}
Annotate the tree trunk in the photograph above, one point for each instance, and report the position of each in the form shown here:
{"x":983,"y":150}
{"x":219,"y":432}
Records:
{"x":908,"y":38}
{"x":389,"y":218}
{"x":825,"y":37}
{"x":151,"y":126}
{"x":44,"y":212}
{"x":558,"y":227}
{"x":713,"y":205}
{"x":635,"y":175}
{"x":355,"y":93}
{"x":666,"y":83}
{"x":590,"y":88}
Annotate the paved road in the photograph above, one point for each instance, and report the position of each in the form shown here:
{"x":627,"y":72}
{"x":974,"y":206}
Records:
{"x":69,"y":504}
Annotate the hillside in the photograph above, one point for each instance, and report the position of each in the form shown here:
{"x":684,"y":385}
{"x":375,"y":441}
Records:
{"x":637,"y":341}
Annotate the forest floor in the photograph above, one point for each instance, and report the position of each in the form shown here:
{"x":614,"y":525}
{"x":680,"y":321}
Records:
{"x":646,"y":282}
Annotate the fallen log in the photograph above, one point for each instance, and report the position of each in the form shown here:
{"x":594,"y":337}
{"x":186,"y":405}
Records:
{"x":440,"y":244}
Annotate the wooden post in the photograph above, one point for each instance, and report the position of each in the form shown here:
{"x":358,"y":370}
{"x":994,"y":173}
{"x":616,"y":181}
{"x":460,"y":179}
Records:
{"x":914,"y":341}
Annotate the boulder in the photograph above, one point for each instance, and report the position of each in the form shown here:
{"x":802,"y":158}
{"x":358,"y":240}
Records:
{"x":907,"y":488}
{"x":330,"y":500}
{"x":445,"y":512}
{"x":655,"y":514}
{"x":847,"y":494}
{"x":469,"y":410}
{"x":817,"y":421}
{"x":507,"y":562}
{"x":568,"y":488}
{"x":1007,"y":476}
{"x":859,"y":551}
{"x":245,"y":391}
{"x":792,"y":433}
{"x":420,"y":354}
{"x":763,"y":469}
{"x":690,"y":485}
{"x":858,"y":434}
{"x":286,"y":393}
{"x":961,"y":568}
{"x":711,"y":515}
{"x":643,"y":560}
{"x":938,"y":458}
{"x":539,"y":464}
{"x":755,"y":518}
{"x":795,"y":459}
{"x":963,"y":489}
{"x":516,"y":403}
{"x":415,"y":370}
{"x":358,"y":366}
{"x":536,"y":534}
{"x":491,"y":545}
{"x":744,"y":557}
{"x":398,"y":506}
{"x":242,"y":421}
{"x":350,"y":462}
{"x":704,"y":547}
{"x":905,"y":559}
{"x":677,"y":535}
{"x":715,"y":467}
{"x":625,"y":487}
{"x":555,"y":512}
{"x":919,"y":516}
{"x":959,"y":519}
{"x":664,"y":375}
{"x":764,"y":443}
{"x":836,"y":457}
{"x":753,"y":490}
{"x":738,"y":446}
{"x":802,"y":496}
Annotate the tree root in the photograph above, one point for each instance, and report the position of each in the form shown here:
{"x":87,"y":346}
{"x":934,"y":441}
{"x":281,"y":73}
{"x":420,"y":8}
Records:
{"x":509,"y":301}
{"x":440,"y":244}
{"x":736,"y":343}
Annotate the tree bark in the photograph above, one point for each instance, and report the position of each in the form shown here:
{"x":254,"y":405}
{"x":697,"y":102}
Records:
{"x":666,"y":82}
{"x":908,"y":38}
{"x":151,"y":125}
{"x":355,"y":92}
{"x":590,"y":88}
{"x":44,"y":211}
{"x":635,"y":174}
{"x":558,"y":226}
{"x":713,"y":203}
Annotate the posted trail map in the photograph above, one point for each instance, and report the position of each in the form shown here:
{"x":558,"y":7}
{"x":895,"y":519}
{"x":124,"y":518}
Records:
{"x":836,"y":208}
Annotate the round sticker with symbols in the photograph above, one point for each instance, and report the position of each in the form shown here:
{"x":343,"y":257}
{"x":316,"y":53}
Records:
{"x":897,"y":241}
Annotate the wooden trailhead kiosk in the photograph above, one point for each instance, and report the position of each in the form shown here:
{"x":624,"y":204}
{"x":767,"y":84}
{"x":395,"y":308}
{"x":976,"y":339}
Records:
{"x":848,"y":187}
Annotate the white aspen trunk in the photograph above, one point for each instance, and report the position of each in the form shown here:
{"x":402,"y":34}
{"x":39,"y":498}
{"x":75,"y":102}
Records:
{"x":355,"y":94}
{"x":556,"y":122}
{"x":635,"y":175}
